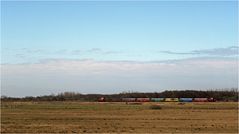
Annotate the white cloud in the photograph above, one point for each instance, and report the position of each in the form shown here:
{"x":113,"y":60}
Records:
{"x":90,"y":76}
{"x":229,"y":51}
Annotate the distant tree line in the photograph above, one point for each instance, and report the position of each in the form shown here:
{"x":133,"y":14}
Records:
{"x":219,"y":95}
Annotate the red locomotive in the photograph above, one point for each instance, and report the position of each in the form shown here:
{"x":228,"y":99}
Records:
{"x":101,"y":99}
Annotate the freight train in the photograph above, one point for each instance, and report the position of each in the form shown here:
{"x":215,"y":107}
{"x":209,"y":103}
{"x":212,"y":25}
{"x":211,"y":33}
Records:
{"x":168,"y":100}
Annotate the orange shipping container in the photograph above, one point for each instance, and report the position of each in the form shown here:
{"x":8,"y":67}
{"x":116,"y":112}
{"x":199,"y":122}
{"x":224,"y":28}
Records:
{"x":200,"y":99}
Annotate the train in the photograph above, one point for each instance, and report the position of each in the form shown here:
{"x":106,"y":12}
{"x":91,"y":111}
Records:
{"x":103,"y":99}
{"x":168,"y":100}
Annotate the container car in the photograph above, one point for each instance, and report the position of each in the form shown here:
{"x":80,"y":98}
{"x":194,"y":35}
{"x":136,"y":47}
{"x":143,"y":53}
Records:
{"x":200,"y":100}
{"x":185,"y":99}
{"x":128,"y":99}
{"x":157,"y":99}
{"x":171,"y":99}
{"x":143,"y":99}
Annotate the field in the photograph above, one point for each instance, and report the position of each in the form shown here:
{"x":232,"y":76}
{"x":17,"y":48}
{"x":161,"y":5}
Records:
{"x":94,"y":117}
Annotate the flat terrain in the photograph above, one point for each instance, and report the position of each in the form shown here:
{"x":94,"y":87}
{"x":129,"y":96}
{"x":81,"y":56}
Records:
{"x":93,"y":117}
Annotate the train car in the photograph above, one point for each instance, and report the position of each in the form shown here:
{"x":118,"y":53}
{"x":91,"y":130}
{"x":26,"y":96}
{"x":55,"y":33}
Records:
{"x":157,"y":99}
{"x":200,"y":100}
{"x":143,"y":99}
{"x":211,"y":100}
{"x":101,"y":99}
{"x":128,"y":99}
{"x":185,"y":99}
{"x":171,"y":99}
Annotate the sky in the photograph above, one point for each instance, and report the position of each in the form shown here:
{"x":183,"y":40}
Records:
{"x":114,"y":46}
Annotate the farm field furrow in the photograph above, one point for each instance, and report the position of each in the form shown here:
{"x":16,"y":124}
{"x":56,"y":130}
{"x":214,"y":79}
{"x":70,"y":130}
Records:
{"x":91,"y":117}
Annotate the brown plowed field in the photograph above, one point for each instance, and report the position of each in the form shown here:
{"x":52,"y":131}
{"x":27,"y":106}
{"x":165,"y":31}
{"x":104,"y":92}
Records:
{"x":93,"y":117}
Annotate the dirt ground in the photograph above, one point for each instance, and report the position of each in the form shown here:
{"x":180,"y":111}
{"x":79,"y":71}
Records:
{"x":93,"y":117}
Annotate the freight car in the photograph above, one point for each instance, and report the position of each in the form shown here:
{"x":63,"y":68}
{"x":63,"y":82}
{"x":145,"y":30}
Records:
{"x":143,"y":99}
{"x":128,"y":99}
{"x":157,"y":99}
{"x":171,"y":99}
{"x":185,"y":99}
{"x":200,"y":100}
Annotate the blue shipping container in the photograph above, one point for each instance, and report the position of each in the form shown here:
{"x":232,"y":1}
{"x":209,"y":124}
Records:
{"x":185,"y":99}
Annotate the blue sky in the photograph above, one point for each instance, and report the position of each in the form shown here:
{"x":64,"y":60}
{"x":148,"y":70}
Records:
{"x":35,"y":33}
{"x":137,"y":30}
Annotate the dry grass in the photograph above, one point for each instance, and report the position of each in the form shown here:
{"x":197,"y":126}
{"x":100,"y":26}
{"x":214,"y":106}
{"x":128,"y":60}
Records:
{"x":78,"y":117}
